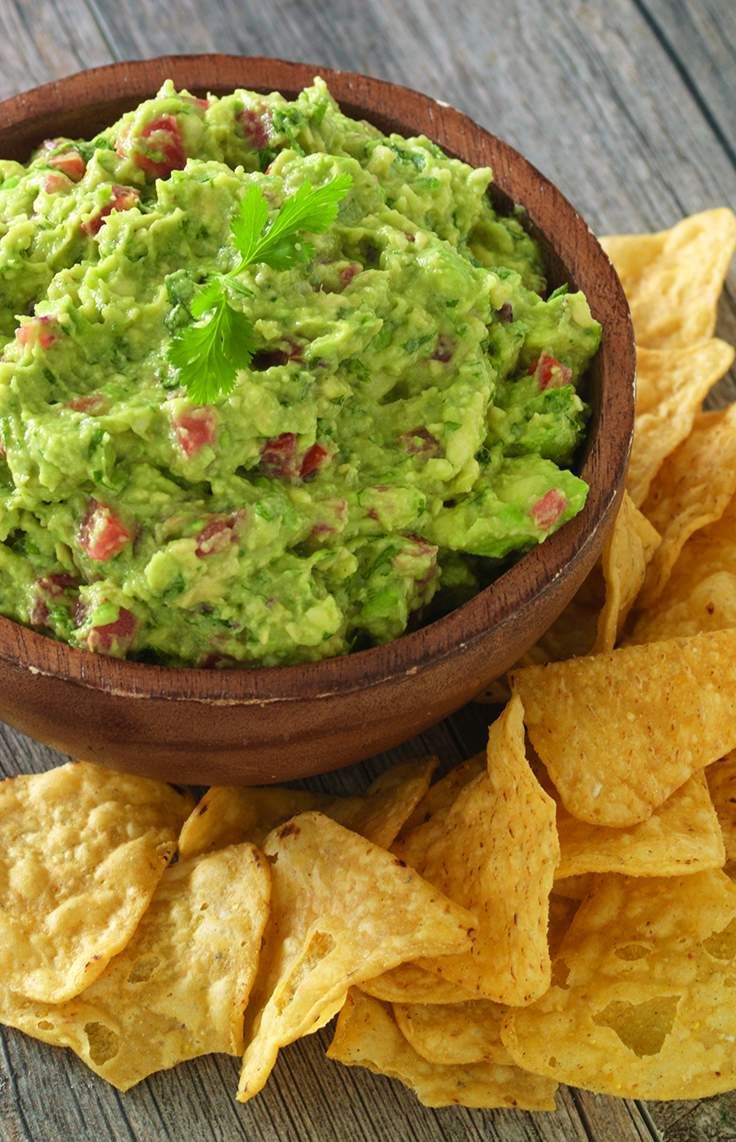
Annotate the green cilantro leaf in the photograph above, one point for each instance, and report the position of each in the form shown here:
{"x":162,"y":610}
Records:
{"x":311,"y":209}
{"x":209,"y":352}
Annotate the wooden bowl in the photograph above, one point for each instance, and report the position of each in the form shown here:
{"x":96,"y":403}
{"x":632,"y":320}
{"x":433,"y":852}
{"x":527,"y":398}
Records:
{"x":261,"y":725}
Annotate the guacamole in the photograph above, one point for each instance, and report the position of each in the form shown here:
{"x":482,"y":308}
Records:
{"x":407,"y":423}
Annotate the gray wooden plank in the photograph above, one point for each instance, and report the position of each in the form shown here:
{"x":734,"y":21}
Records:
{"x":42,"y":41}
{"x":595,"y":97}
{"x":701,"y":40}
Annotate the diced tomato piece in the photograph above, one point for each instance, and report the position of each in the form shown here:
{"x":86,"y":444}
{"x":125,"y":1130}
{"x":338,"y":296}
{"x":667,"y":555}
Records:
{"x":55,"y":182}
{"x":420,"y":441}
{"x":217,"y":534}
{"x":444,"y":349}
{"x":197,"y":102}
{"x":337,"y":513}
{"x":163,"y":149}
{"x":69,"y":163}
{"x":39,"y":331}
{"x":256,"y":127}
{"x":548,"y":508}
{"x":92,"y":403}
{"x":419,"y":556}
{"x":347,"y":273}
{"x":278,"y":456}
{"x":49,"y":587}
{"x":550,"y":373}
{"x":122,"y":198}
{"x":195,"y":428}
{"x":314,"y":458}
{"x":102,"y":534}
{"x":116,"y":636}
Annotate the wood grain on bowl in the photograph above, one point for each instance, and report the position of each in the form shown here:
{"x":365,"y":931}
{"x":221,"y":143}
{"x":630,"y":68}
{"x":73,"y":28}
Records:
{"x":269,"y":724}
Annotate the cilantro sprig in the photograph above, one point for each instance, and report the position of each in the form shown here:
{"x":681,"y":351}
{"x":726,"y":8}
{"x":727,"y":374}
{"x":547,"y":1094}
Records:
{"x":209,"y":352}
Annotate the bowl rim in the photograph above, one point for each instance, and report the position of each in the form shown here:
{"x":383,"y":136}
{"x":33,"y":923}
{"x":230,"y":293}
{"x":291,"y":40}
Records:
{"x":526,"y":580}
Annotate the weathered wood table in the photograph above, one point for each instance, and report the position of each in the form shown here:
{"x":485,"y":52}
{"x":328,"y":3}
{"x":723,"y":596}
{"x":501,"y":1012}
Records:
{"x":625,"y":105}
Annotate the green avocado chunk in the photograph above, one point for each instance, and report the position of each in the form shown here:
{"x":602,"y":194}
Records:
{"x":409,"y":422}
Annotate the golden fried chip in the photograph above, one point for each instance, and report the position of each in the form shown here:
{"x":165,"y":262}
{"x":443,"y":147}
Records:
{"x":671,"y":386}
{"x":179,"y":988}
{"x":367,"y":1036}
{"x":380,"y":813}
{"x":454,"y":1034}
{"x":620,"y":732}
{"x":441,"y":795}
{"x":342,"y":911}
{"x":81,"y":851}
{"x":681,"y":836}
{"x":627,"y":552}
{"x":721,"y":777}
{"x":561,"y":911}
{"x":644,"y":1003}
{"x":700,"y":594}
{"x":692,"y":489}
{"x":574,"y":888}
{"x":228,"y":815}
{"x":673,"y":279}
{"x":506,"y":880}
{"x":408,"y":983}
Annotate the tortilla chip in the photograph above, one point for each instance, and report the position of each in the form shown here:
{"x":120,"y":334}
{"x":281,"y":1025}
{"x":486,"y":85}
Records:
{"x":673,"y":279}
{"x":721,"y":779}
{"x":81,"y":851}
{"x":671,"y":386}
{"x":627,"y":552}
{"x":441,"y":795}
{"x":228,"y":815}
{"x":693,"y":488}
{"x":179,"y":988}
{"x":367,"y":1036}
{"x":681,"y":836}
{"x":380,"y":813}
{"x":454,"y":1034}
{"x":408,"y":983}
{"x":342,"y":911}
{"x":644,"y":1006}
{"x":494,"y":851}
{"x":574,"y":888}
{"x":700,"y":594}
{"x":620,"y":732}
{"x":561,"y":912}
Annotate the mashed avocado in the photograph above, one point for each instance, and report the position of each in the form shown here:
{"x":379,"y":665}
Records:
{"x":407,"y":422}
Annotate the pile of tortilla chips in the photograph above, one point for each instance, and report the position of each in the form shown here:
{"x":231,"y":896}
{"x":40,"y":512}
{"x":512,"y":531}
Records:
{"x":562,"y":909}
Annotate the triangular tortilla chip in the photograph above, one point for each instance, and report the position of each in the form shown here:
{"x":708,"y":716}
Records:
{"x":645,"y":1000}
{"x":494,"y":851}
{"x":671,"y":386}
{"x":228,"y":815}
{"x":626,"y":555}
{"x":620,"y":732}
{"x":342,"y":911}
{"x":673,"y":279}
{"x":180,"y":987}
{"x":367,"y":1036}
{"x":82,"y":849}
{"x":681,"y":836}
{"x":700,"y":594}
{"x":692,"y":489}
{"x":454,"y":1034}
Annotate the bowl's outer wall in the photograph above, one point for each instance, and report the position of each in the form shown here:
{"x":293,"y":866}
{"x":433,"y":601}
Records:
{"x":272,"y":724}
